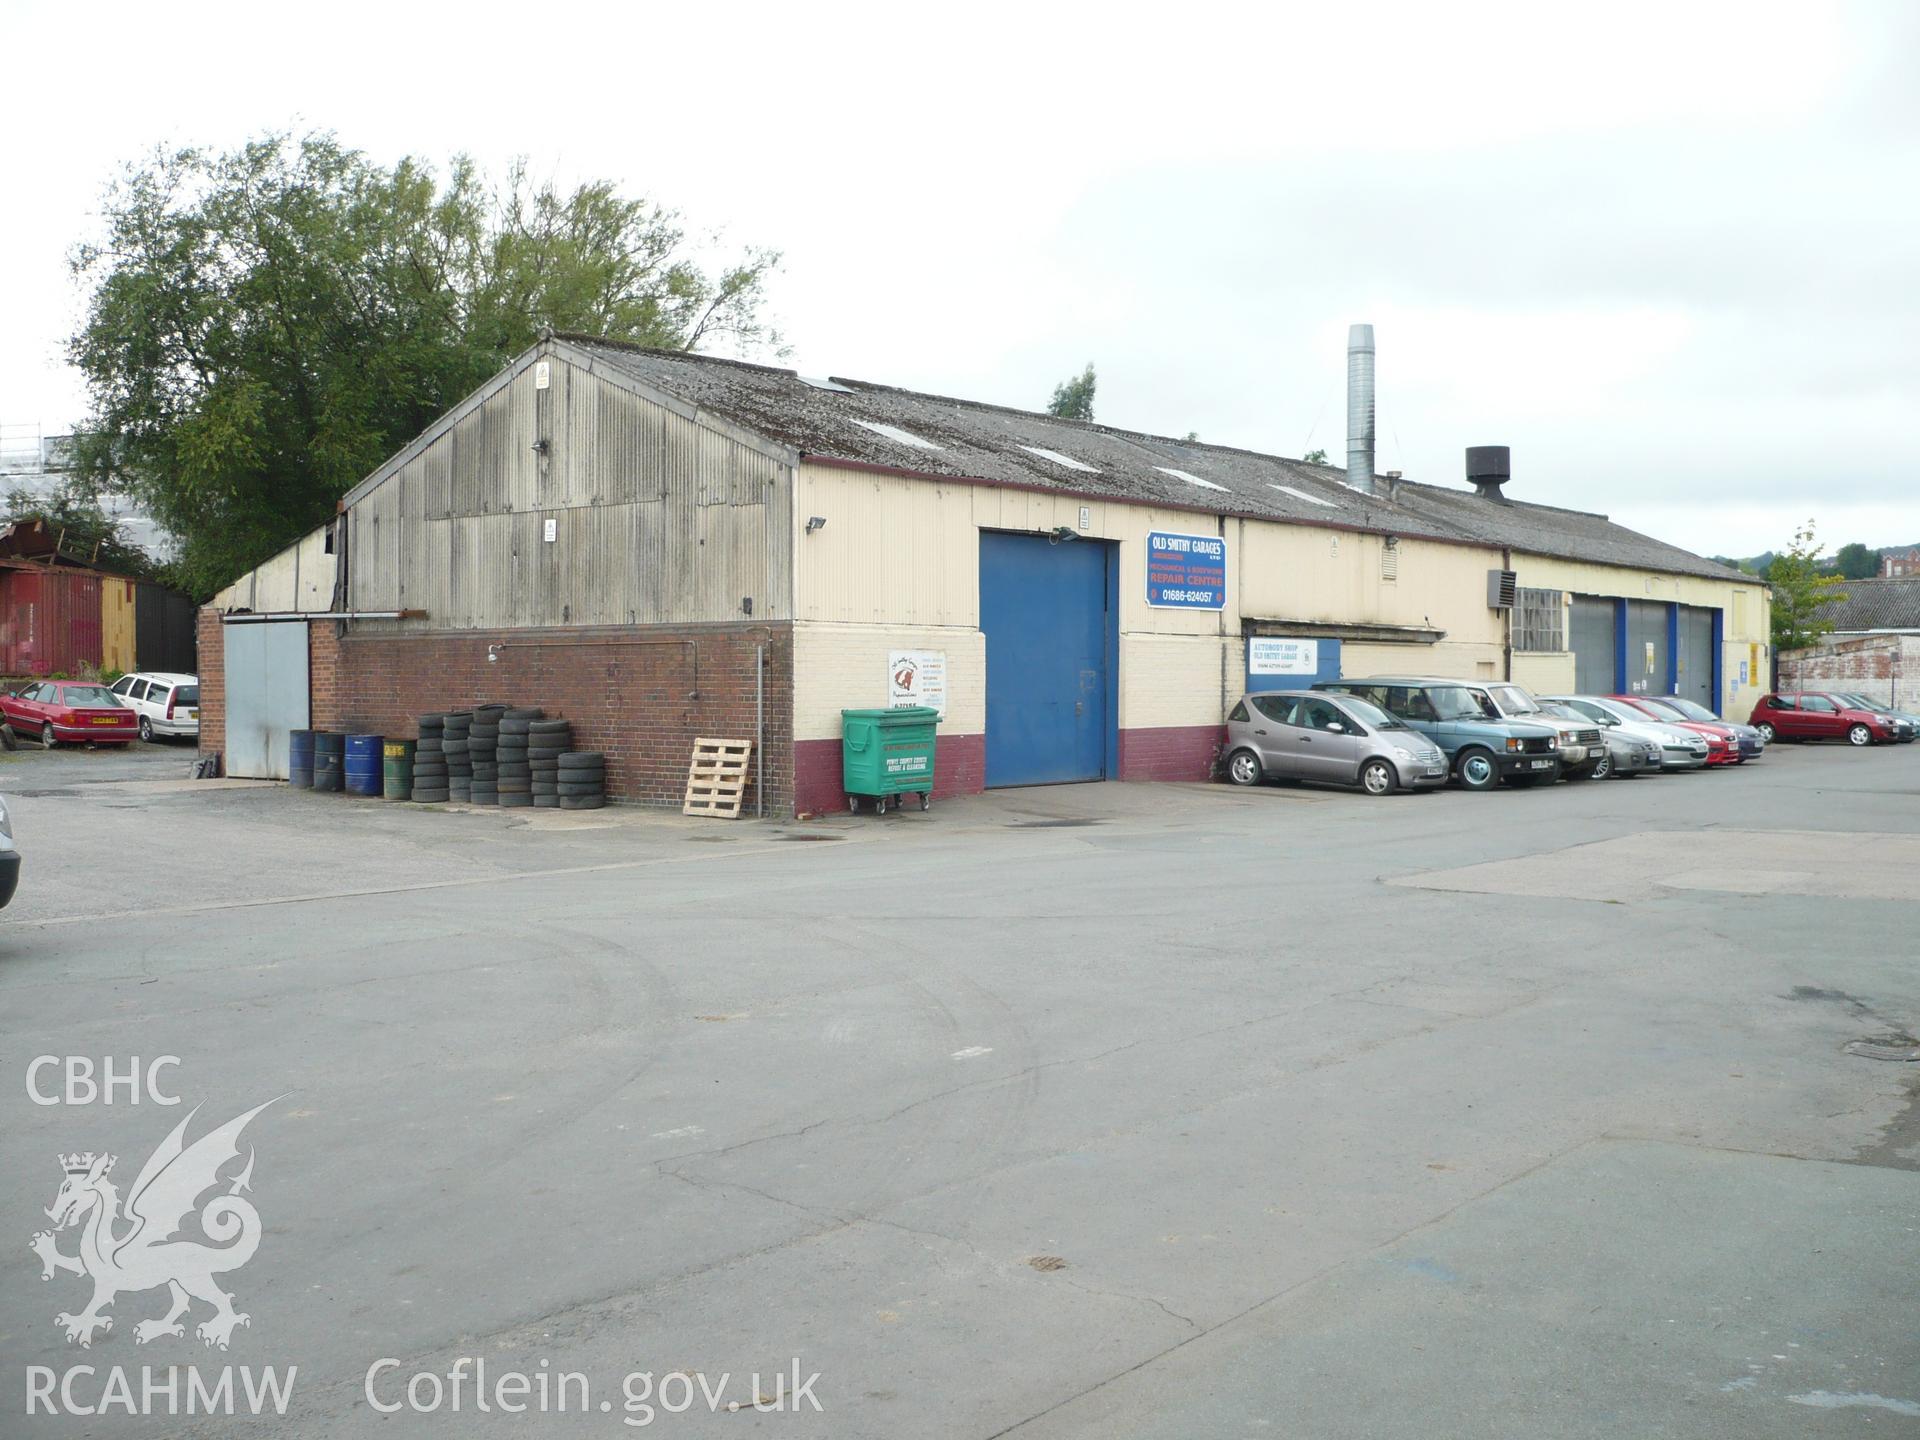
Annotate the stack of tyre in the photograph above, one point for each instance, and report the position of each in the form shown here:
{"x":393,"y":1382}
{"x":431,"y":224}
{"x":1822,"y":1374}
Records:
{"x":483,"y":746}
{"x":582,"y":780}
{"x":547,"y":741}
{"x":430,"y":761}
{"x":515,"y":763}
{"x":456,"y":737}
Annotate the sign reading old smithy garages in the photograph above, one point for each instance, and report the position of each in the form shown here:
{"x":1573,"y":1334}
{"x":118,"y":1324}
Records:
{"x":1186,"y":572}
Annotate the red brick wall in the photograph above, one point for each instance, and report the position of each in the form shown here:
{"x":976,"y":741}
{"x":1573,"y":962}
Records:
{"x":1881,"y":667}
{"x":959,"y":768}
{"x":1172,"y":752}
{"x":628,"y":692}
{"x":213,"y":681}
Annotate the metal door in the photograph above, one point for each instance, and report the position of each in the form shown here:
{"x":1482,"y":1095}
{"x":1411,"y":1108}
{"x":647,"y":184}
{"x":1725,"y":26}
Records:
{"x":1649,"y":654}
{"x":1046,"y":611}
{"x":1693,"y":664}
{"x":266,"y":674}
{"x":1596,"y":645}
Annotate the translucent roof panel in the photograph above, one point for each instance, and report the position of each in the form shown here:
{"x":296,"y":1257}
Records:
{"x":821,"y":382}
{"x":1190,"y":479}
{"x":1303,"y":495}
{"x":1059,"y":459}
{"x":894,"y":432}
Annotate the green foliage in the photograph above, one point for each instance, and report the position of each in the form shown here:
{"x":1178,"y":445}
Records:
{"x":1801,"y":592}
{"x":265,"y":327}
{"x":1314,"y":457}
{"x":1856,"y":562}
{"x":1073,"y":398}
{"x":82,"y":528}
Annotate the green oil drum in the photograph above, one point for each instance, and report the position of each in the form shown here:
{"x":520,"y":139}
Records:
{"x":397,"y":769}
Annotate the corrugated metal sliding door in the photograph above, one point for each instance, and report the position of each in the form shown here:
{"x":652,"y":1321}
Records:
{"x":1694,"y":662}
{"x":1050,"y":642}
{"x":1648,"y":651}
{"x":1596,"y":645}
{"x":266,"y":673}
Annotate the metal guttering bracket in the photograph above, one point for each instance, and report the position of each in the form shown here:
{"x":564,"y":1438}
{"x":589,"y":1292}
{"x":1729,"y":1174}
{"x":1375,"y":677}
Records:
{"x":1360,"y":630}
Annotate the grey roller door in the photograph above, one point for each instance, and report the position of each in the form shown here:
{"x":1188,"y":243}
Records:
{"x":1595,"y":645}
{"x":1648,"y":663}
{"x":1694,"y":679}
{"x":266,"y":674}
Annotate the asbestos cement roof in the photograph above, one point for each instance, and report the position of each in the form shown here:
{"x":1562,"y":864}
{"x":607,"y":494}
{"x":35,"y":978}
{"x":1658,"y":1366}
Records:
{"x":1877,"y":605}
{"x":937,"y":436}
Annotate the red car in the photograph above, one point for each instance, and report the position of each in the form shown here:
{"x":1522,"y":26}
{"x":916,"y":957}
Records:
{"x":1723,"y":746}
{"x":1815,"y":715}
{"x":68,"y":712}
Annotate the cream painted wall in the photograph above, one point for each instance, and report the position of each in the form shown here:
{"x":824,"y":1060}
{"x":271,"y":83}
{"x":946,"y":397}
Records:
{"x":844,"y":667}
{"x":299,"y":578}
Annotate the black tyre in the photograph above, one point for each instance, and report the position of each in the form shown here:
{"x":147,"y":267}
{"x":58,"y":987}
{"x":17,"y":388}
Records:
{"x":549,"y":727}
{"x":582,"y":802}
{"x":582,"y":759}
{"x":146,"y":729}
{"x":48,"y":739}
{"x":1476,"y":769}
{"x":1377,"y":778}
{"x":569,"y":788}
{"x":429,"y":797}
{"x":1604,"y":769}
{"x":1244,"y":768}
{"x":1859,"y":735}
{"x":514,"y":802}
{"x":546,"y":802}
{"x":515,"y":787}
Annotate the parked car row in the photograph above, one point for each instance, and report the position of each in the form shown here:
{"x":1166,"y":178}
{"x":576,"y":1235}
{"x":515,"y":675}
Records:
{"x":1389,"y":733}
{"x":145,"y":704}
{"x":1832,"y":715}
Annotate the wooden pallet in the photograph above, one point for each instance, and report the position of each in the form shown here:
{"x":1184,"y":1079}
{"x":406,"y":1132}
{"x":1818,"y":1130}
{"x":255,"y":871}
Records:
{"x":717,"y":779}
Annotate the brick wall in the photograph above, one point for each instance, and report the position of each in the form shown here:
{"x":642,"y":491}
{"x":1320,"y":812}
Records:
{"x":1171,"y":752}
{"x":629,"y":693}
{"x":213,"y":681}
{"x":1881,"y":667}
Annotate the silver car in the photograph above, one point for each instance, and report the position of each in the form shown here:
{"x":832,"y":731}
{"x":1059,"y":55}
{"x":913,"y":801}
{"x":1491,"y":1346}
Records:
{"x":1680,"y":748}
{"x":1330,"y":739}
{"x":1629,"y":756}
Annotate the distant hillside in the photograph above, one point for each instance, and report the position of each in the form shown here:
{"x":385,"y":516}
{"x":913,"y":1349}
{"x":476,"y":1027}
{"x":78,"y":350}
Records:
{"x":1757,"y":564}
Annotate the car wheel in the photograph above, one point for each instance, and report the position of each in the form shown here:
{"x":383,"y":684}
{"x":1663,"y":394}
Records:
{"x":146,"y":729}
{"x":1475,"y":770}
{"x":1376,"y":777}
{"x":1766,"y":732}
{"x":46,"y":736}
{"x":1244,"y":768}
{"x":1603,"y":768}
{"x":1859,"y":735}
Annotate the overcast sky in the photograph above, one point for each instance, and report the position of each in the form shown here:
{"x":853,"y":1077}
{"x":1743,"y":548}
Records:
{"x":1669,"y":253}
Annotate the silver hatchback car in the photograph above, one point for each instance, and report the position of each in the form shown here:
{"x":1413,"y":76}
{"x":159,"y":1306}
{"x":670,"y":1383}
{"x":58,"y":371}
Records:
{"x":1332,"y":739}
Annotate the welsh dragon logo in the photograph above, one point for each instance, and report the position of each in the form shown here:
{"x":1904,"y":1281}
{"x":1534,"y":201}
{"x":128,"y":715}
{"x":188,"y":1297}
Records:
{"x":137,"y":1249}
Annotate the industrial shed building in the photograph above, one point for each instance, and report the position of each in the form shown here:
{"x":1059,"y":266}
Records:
{"x":661,"y":545}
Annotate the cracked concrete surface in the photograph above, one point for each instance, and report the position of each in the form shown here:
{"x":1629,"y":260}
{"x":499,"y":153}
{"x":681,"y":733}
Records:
{"x":620,"y":1101}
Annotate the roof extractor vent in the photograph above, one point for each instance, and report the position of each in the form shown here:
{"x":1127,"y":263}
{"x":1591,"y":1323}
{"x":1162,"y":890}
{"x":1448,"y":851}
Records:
{"x":821,"y":382}
{"x":1500,"y":589}
{"x":1489,"y":467}
{"x":895,"y":433}
{"x":1190,"y":479}
{"x":1057,"y":458}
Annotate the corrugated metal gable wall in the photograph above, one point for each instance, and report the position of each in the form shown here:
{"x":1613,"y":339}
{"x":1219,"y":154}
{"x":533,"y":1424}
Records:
{"x":657,"y":519}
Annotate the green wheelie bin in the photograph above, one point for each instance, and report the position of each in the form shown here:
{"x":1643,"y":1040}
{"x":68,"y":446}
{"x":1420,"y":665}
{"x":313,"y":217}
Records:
{"x":885,"y":754}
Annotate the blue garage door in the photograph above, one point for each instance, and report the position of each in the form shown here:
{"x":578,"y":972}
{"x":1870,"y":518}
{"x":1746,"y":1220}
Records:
{"x":1047,"y":611}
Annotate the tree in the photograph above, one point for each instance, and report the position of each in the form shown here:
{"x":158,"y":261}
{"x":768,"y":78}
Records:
{"x":265,"y":327}
{"x":1314,"y":457}
{"x":1856,"y":562}
{"x":1800,"y":593}
{"x":1073,"y":399}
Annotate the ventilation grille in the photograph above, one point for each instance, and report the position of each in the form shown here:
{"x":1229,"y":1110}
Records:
{"x":1501,"y":585}
{"x":1390,"y":562}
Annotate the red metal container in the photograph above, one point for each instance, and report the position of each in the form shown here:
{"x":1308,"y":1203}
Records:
{"x":49,"y":621}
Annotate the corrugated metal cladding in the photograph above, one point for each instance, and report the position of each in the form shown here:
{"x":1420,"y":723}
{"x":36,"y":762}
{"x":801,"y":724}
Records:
{"x":49,"y":621}
{"x":1596,"y":644}
{"x":656,"y":518}
{"x":118,"y":627}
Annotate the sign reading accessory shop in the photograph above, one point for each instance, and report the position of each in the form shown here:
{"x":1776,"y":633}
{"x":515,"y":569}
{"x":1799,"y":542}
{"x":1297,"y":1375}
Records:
{"x":1186,"y":572}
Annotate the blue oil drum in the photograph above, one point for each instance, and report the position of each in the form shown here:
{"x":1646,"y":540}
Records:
{"x":363,"y":763}
{"x":328,"y":753}
{"x":300,"y":759}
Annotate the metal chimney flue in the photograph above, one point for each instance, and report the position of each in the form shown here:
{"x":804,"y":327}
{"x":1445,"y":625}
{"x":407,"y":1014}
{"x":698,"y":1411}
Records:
{"x":1360,"y":408}
{"x":1488,"y":468}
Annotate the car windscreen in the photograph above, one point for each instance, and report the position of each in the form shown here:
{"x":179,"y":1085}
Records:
{"x":1512,"y":700}
{"x":187,"y":695}
{"x":90,"y":695}
{"x":1370,"y":715}
{"x":1563,"y":712}
{"x":1692,"y":709}
{"x":1455,"y":702}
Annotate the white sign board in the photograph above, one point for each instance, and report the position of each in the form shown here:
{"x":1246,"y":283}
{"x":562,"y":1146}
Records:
{"x":551,"y":530}
{"x":1270,"y":655}
{"x":917,"y":677}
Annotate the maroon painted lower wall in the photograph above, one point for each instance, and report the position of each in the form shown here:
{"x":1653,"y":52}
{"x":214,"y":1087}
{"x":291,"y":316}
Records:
{"x":1172,"y":752}
{"x":959,"y":768}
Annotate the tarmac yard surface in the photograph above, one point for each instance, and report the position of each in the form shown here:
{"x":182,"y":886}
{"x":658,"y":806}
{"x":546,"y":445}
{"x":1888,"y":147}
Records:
{"x":1092,"y":1111}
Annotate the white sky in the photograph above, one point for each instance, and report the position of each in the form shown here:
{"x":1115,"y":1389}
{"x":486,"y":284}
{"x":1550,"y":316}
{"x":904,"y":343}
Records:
{"x":1669,"y":253}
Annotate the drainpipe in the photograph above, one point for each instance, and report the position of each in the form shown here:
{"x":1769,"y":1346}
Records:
{"x":760,"y":730}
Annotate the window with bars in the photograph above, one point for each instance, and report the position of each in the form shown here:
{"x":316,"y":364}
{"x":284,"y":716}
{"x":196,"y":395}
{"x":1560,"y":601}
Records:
{"x":1540,"y":621}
